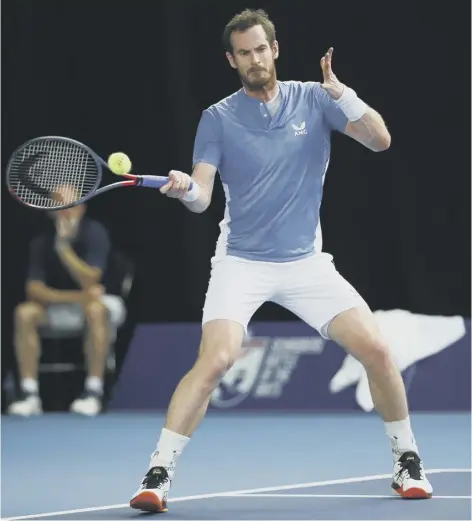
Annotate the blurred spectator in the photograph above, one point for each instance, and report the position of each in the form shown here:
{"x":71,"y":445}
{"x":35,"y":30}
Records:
{"x":64,"y":291}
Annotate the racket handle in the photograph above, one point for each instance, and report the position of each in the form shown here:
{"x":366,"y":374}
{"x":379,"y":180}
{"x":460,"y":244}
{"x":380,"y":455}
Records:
{"x":154,"y":181}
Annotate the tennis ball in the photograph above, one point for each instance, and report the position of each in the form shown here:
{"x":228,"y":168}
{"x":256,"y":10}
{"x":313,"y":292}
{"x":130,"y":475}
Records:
{"x":119,"y":163}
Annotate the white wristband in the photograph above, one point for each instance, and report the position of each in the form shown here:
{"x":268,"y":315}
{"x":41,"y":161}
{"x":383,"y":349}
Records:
{"x":351,"y":105}
{"x":192,"y":194}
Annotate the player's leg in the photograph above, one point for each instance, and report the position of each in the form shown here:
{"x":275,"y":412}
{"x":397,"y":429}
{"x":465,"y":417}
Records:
{"x":28,"y":317}
{"x":220,"y":346}
{"x":318,"y":294}
{"x":236,"y":290}
{"x":357,"y":331}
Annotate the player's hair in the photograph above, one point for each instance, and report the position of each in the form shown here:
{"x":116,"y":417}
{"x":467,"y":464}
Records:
{"x":245,"y":20}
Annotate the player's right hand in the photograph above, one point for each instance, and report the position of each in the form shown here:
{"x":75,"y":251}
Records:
{"x":178,"y":185}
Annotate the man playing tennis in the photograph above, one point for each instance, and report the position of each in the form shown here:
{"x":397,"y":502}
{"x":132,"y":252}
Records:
{"x":270,"y":142}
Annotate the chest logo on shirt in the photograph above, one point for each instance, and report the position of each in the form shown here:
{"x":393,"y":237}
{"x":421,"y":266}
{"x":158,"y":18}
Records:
{"x":300,"y":130}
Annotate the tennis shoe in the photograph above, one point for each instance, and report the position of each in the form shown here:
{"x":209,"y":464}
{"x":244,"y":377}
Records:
{"x":409,"y":478}
{"x":27,"y":404}
{"x":89,"y":403}
{"x":152,"y":494}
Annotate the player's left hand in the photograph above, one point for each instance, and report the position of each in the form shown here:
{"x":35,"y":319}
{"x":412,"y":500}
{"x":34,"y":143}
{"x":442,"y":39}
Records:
{"x":330,"y":84}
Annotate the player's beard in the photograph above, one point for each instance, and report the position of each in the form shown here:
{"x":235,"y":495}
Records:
{"x":256,"y":81}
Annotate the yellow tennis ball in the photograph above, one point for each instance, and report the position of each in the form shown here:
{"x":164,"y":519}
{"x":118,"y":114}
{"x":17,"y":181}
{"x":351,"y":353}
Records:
{"x":119,"y":163}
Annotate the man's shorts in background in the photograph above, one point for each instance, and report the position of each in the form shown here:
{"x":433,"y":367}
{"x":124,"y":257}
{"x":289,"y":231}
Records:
{"x":71,"y":317}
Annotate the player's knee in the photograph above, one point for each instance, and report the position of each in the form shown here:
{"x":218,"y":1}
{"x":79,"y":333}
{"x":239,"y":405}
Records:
{"x":217,"y":354}
{"x":219,"y":363}
{"x":28,"y":314}
{"x":375,"y":354}
{"x":220,"y":347}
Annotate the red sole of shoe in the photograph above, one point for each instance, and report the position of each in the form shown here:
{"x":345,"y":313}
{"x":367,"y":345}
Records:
{"x":414,"y":493}
{"x":148,"y":502}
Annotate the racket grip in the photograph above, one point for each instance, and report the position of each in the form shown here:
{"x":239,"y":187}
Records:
{"x":155,"y":181}
{"x":152,"y":181}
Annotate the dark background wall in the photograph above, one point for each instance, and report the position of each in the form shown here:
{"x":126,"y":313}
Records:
{"x":135,"y":75}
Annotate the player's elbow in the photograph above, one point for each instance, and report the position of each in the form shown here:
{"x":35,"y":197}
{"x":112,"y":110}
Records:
{"x":383,"y":142}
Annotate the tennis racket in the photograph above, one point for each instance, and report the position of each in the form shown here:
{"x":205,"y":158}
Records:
{"x":53,"y":173}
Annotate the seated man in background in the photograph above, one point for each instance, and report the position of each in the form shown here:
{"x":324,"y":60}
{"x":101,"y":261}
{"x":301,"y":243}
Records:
{"x":63,"y":290}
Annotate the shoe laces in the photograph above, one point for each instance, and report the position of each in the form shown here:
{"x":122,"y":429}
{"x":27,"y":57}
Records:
{"x":156,"y":477}
{"x":410,"y":465}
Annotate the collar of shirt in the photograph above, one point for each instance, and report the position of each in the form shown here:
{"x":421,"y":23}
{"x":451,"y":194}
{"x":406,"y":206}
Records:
{"x":262,"y":113}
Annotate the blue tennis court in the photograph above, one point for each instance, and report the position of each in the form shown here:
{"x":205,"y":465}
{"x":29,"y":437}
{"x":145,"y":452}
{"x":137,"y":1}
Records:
{"x":272,"y":466}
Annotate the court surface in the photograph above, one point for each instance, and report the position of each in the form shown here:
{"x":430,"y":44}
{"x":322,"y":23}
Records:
{"x":254,"y":466}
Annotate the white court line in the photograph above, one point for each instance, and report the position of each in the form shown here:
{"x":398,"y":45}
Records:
{"x":335,"y":496}
{"x":233,"y":493}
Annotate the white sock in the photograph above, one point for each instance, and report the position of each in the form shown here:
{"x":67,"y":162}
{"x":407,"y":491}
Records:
{"x":29,"y":385}
{"x":94,"y":384}
{"x":401,"y":435}
{"x":169,"y":447}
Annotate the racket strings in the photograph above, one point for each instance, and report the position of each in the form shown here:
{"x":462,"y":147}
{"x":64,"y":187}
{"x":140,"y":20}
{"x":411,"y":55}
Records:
{"x":53,"y":173}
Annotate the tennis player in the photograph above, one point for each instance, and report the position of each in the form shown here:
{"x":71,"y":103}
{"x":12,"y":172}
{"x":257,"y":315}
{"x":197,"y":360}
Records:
{"x":270,"y":142}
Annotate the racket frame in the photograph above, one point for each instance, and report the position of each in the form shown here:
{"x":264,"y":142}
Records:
{"x":130,"y":179}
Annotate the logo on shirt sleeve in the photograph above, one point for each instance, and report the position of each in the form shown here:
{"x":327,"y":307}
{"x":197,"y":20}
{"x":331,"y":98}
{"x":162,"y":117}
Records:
{"x":301,"y":130}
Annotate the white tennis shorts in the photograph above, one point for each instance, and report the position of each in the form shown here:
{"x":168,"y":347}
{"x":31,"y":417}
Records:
{"x":71,"y":316}
{"x":311,"y":288}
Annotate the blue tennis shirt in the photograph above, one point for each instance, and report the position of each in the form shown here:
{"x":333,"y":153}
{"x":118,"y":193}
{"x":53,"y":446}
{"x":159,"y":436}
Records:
{"x":272,"y":159}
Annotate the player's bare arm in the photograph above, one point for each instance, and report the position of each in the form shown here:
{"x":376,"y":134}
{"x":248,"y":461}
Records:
{"x":199,"y":198}
{"x":370,"y":129}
